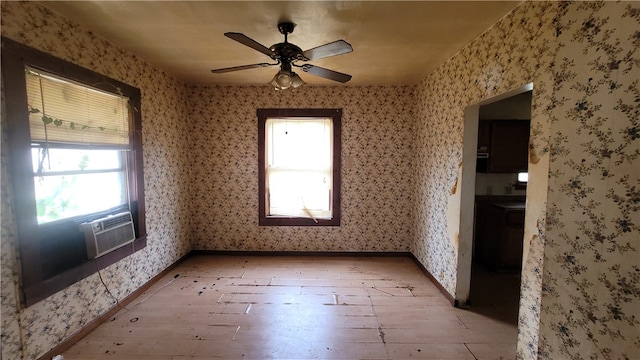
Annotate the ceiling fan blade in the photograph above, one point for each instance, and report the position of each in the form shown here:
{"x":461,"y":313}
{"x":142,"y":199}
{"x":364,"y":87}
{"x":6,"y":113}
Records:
{"x":337,"y":47}
{"x":326,"y":73}
{"x":245,"y":40}
{"x":242,"y":67}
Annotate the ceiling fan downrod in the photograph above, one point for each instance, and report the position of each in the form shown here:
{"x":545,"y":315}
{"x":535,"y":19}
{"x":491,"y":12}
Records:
{"x":285,"y":29}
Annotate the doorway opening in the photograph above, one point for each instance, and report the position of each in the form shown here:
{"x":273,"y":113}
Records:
{"x":495,"y":160}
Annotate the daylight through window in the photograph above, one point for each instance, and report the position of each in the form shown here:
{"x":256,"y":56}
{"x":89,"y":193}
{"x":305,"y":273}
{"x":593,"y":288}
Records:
{"x":300,"y":166}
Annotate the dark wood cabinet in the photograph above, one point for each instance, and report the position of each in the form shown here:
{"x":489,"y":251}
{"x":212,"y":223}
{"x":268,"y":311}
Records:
{"x":499,"y":232}
{"x":504,"y":144}
{"x":484,"y":136}
{"x":502,"y":245}
{"x":509,"y":146}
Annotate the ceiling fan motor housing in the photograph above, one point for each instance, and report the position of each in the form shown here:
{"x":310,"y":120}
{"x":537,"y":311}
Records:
{"x":286,"y":52}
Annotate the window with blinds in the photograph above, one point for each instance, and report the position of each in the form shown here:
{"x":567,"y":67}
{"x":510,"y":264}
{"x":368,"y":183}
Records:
{"x":79,"y":136}
{"x":74,"y":154}
{"x":65,"y":112}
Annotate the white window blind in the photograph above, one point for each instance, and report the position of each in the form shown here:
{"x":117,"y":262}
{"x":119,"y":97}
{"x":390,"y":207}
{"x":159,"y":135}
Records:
{"x":66,"y":112}
{"x":299,"y":167}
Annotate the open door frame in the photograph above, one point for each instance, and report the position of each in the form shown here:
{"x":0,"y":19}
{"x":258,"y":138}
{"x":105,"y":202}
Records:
{"x":468,"y":191}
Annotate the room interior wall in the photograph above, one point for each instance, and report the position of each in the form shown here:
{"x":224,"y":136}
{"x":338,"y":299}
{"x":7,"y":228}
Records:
{"x":591,"y":294}
{"x":377,"y":168}
{"x":581,"y":227}
{"x":512,"y":53}
{"x":27,"y":333}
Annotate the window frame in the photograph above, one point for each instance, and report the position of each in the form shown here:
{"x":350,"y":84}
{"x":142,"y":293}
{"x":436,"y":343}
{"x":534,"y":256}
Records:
{"x":263,"y":115}
{"x":36,"y":284}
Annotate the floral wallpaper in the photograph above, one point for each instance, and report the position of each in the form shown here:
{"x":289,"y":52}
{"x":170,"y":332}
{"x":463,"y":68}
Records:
{"x":580,"y":295}
{"x":27,"y":333}
{"x":377,"y":168}
{"x":591,"y":280}
{"x":516,"y":51}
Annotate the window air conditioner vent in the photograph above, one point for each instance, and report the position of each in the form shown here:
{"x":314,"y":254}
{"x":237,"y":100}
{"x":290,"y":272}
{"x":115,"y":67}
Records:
{"x":107,"y":234}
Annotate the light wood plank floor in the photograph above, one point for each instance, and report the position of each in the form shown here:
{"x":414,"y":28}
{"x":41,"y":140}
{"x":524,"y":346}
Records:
{"x":289,"y":307}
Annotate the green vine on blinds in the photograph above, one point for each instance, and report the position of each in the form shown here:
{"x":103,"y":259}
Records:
{"x":46,"y":119}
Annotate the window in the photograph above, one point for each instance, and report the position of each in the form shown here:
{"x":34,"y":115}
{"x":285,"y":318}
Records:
{"x":76,"y":156}
{"x":523,"y":177}
{"x":66,"y":181}
{"x":299,"y":152}
{"x":79,"y":141}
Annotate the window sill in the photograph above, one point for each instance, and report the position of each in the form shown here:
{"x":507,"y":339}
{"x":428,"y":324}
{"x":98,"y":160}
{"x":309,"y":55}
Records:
{"x":40,"y":291}
{"x":297,"y":221}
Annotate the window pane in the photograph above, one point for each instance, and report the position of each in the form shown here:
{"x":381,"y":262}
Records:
{"x":299,"y":175}
{"x":523,"y":177}
{"x":291,"y":192}
{"x":75,"y":159}
{"x":63,"y":196}
{"x":68,"y":192}
{"x":302,"y":144}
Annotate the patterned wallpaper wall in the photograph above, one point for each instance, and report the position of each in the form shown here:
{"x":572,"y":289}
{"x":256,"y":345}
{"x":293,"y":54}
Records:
{"x":516,"y":51}
{"x":582,"y":300}
{"x":28,"y":333}
{"x":377,"y":175}
{"x":591,"y":296}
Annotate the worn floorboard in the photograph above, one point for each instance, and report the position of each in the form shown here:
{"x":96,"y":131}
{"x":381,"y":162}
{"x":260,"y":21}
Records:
{"x":288,"y":307}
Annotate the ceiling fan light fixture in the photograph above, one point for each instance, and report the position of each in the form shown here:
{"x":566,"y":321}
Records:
{"x":285,"y":78}
{"x":282,"y":80}
{"x":296,"y":81}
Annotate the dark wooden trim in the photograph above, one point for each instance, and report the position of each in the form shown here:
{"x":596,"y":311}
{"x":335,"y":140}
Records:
{"x":19,"y":158}
{"x":296,"y":221}
{"x":40,"y":291}
{"x":35,"y":283}
{"x":52,"y":64}
{"x":263,"y":115}
{"x":444,"y":292}
{"x":136,"y":185}
{"x":299,"y":253}
{"x":66,"y":344}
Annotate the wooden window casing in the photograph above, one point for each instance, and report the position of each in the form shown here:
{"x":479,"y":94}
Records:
{"x":336,"y":117}
{"x":37,"y":281}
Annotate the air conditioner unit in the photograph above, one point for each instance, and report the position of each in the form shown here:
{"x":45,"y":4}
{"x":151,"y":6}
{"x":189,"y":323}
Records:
{"x":107,"y":234}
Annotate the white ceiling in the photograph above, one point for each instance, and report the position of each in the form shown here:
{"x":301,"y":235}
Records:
{"x":394,"y":42}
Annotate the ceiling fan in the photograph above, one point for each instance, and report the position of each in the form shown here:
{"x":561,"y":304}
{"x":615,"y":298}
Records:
{"x":287,"y":55}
